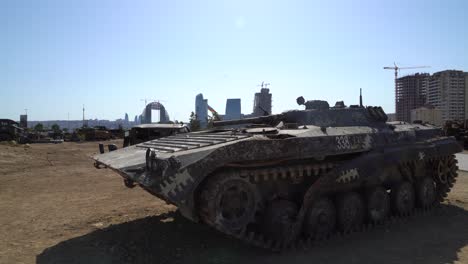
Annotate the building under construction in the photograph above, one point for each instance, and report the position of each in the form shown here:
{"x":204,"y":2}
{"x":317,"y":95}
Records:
{"x":410,"y":93}
{"x":262,"y":103}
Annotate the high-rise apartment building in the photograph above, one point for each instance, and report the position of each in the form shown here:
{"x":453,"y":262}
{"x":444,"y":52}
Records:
{"x":410,"y":94}
{"x":447,"y":91}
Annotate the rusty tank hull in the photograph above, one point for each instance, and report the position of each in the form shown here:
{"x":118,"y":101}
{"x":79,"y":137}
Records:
{"x":300,"y":175}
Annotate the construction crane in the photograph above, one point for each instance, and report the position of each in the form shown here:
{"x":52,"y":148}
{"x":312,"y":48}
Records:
{"x":263,"y":85}
{"x":211,"y":109}
{"x":396,"y":68}
{"x":214,"y":113}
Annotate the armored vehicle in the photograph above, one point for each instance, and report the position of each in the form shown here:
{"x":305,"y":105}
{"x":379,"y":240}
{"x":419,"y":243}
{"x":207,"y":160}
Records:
{"x":457,"y":129}
{"x":146,"y":132}
{"x":302,"y":175}
{"x":9,"y":130}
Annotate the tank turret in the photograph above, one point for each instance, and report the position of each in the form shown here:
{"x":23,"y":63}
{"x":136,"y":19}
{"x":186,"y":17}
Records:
{"x":266,"y":120}
{"x":319,"y":113}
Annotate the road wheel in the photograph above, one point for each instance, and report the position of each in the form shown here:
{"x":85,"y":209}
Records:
{"x":403,"y":198}
{"x":279,"y":219}
{"x":351,"y":211}
{"x":426,"y":192}
{"x":320,"y":219}
{"x":378,"y":204}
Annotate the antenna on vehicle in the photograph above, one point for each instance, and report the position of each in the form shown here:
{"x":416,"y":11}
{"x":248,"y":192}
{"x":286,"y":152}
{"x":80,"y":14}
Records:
{"x":360,"y":97}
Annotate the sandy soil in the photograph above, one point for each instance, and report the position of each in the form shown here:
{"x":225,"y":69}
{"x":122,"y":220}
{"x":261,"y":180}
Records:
{"x":57,"y":208}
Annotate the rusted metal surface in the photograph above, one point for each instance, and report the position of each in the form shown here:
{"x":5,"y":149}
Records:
{"x":292,"y":164}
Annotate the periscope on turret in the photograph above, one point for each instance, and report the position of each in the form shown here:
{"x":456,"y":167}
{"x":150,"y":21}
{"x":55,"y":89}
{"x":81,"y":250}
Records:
{"x":276,"y":180}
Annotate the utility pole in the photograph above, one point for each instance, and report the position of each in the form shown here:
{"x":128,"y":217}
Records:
{"x":83,"y":116}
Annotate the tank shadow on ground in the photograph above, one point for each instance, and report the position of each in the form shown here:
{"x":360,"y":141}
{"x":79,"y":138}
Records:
{"x":170,"y":238}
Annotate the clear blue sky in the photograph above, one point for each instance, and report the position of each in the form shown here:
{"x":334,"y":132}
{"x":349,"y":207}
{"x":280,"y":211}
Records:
{"x":57,"y":55}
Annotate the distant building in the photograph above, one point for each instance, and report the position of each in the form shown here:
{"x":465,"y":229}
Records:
{"x":427,"y":114}
{"x":136,"y":120}
{"x":410,"y":94}
{"x":233,"y":109}
{"x":23,"y":121}
{"x":391,"y":117}
{"x":71,"y":125}
{"x":447,"y":91}
{"x":126,"y":119}
{"x":201,"y":110}
{"x":262,"y":102}
{"x":147,"y":115}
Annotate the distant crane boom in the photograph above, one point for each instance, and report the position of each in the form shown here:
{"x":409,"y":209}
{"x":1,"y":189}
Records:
{"x":396,"y":68}
{"x":212,"y":109}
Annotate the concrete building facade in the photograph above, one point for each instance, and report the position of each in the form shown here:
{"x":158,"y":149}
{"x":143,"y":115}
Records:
{"x":391,"y":117}
{"x":427,"y":114}
{"x":410,"y":94}
{"x":262,"y":102}
{"x":201,"y":110}
{"x":147,"y":117}
{"x":23,"y":121}
{"x":447,"y":90}
{"x":233,"y":109}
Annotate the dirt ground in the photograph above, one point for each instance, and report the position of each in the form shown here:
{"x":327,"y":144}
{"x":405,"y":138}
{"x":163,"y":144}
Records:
{"x":55,"y":207}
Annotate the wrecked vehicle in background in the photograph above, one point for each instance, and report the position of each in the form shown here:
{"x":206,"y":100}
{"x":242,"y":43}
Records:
{"x":10,"y":130}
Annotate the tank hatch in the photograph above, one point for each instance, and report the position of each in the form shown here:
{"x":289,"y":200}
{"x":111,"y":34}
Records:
{"x":190,"y":141}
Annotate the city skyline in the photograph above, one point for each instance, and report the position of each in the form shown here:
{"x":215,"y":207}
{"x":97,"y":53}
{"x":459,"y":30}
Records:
{"x":109,"y":55}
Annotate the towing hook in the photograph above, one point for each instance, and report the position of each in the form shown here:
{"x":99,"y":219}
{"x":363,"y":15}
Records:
{"x":99,"y":165}
{"x":129,"y":183}
{"x":101,"y":148}
{"x":110,"y":147}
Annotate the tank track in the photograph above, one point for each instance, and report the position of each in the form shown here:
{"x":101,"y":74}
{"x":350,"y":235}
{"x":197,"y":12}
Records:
{"x":444,"y":173}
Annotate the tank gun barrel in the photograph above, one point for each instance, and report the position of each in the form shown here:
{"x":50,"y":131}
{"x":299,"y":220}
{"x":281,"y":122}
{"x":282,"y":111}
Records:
{"x":268,"y":120}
